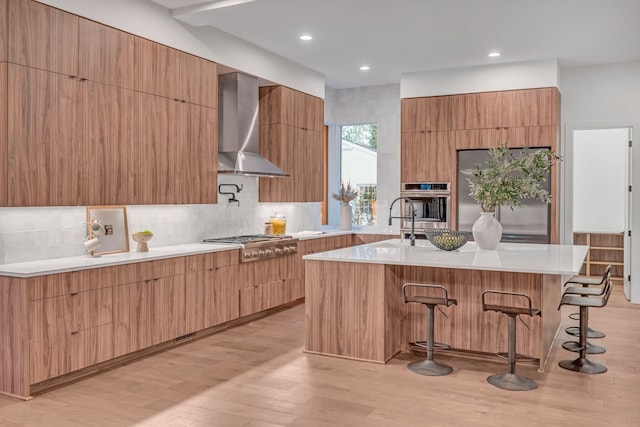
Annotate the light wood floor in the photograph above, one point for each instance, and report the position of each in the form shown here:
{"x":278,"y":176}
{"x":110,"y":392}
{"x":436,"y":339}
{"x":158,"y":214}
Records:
{"x":256,"y":375}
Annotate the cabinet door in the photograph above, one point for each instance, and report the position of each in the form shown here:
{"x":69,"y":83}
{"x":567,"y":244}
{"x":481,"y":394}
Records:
{"x":4,"y":177}
{"x":276,"y":145}
{"x":529,"y":107}
{"x":45,"y":138}
{"x":314,"y":113}
{"x":199,"y":160}
{"x":309,"y":174}
{"x":156,"y":69}
{"x":155,"y":173}
{"x":479,"y":139}
{"x":530,"y":136}
{"x":106,"y":55}
{"x":428,"y":156}
{"x":43,"y":37}
{"x":262,"y":297}
{"x":132,"y":305}
{"x":198,"y":79}
{"x":477,"y":110}
{"x":89,"y":347}
{"x":220,"y":295}
{"x":429,"y":113}
{"x":168,"y":309}
{"x":108,"y":129}
{"x":3,"y":31}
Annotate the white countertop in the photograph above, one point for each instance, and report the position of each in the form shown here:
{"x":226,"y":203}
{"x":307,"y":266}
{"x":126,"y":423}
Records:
{"x":329,"y":231}
{"x":85,"y":262}
{"x":512,"y":257}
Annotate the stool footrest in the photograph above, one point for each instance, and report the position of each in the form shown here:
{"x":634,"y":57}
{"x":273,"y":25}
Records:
{"x":512,"y":382}
{"x":591,"y":348}
{"x":436,"y":345}
{"x":519,"y":357}
{"x":591,"y":333}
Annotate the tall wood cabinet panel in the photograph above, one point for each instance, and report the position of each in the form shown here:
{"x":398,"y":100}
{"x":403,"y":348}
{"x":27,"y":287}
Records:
{"x":198,"y":160}
{"x":67,"y":140}
{"x":4,"y":148}
{"x":42,"y":37}
{"x":283,"y":105}
{"x":476,"y":110}
{"x":428,"y":156}
{"x":155,"y":174}
{"x":105,"y":55}
{"x":3,"y":30}
{"x":199,"y":80}
{"x":156,"y":69}
{"x":529,"y":107}
{"x":474,"y":139}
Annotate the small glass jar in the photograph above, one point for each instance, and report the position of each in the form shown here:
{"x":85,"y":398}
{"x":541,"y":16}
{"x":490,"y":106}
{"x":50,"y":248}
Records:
{"x":268,"y":228}
{"x":278,"y":224}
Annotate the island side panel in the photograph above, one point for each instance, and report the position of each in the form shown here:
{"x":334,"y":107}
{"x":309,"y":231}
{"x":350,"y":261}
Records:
{"x":452,"y":329}
{"x":551,"y":294}
{"x":14,"y":351}
{"x":345,"y":310}
{"x":396,"y":311}
{"x":490,"y":329}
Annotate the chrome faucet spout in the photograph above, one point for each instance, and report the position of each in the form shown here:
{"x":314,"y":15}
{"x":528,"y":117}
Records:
{"x":412,"y":237}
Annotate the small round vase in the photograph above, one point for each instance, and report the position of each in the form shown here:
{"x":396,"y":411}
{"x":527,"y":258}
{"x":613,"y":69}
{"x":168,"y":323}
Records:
{"x":345,"y":217}
{"x":487,"y":231}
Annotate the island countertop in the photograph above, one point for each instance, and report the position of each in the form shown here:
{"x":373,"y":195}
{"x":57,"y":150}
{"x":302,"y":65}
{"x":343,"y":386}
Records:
{"x":509,"y":257}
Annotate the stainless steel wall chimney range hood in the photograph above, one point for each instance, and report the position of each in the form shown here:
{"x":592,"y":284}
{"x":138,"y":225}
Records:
{"x":238,"y":144}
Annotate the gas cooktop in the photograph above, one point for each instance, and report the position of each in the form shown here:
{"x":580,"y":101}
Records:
{"x":260,"y":246}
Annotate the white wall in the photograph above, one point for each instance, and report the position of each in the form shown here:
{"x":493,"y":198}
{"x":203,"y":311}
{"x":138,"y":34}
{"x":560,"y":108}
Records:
{"x":600,"y":180}
{"x":149,"y":20}
{"x":487,"y":78}
{"x":371,"y":104}
{"x":605,"y":96}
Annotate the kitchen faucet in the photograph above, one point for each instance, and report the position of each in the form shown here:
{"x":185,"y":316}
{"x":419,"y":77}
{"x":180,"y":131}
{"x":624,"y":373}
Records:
{"x":412,"y":238}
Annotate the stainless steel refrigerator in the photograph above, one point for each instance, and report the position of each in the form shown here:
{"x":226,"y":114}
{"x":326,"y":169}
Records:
{"x":529,"y":223}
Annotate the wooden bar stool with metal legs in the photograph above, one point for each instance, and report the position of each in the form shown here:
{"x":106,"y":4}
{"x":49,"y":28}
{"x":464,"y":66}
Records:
{"x":588,"y":288}
{"x":582,"y":364}
{"x":586,"y":282}
{"x":429,"y":366}
{"x":511,"y":380}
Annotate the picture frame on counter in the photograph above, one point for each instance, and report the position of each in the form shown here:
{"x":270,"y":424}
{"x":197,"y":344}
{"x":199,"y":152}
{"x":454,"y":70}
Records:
{"x":114,"y":230}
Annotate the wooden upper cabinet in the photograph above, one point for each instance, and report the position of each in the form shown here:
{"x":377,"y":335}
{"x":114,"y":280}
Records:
{"x":428,"y":156}
{"x":530,"y":107}
{"x":105,"y":54}
{"x":474,"y":139}
{"x":283,"y":105}
{"x":199,"y":162}
{"x":3,"y":136}
{"x":277,"y":144}
{"x":156,"y":69}
{"x":477,"y":110}
{"x":3,"y":30}
{"x":199,"y":79}
{"x":167,"y":72}
{"x":427,"y":114}
{"x":42,"y":37}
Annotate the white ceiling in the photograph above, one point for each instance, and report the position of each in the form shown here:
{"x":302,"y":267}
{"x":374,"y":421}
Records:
{"x":397,"y":36}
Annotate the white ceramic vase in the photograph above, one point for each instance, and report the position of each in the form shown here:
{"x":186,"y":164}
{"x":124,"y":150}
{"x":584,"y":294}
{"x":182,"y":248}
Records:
{"x":487,"y":231}
{"x":345,"y":217}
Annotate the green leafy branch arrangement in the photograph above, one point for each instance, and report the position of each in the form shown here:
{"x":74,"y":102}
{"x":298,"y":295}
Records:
{"x":508,"y":178}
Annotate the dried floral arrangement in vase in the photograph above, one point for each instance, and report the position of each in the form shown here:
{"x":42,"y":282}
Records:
{"x":346,"y":194}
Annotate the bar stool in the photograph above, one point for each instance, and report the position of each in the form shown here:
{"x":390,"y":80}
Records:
{"x":586,"y":282}
{"x":429,"y":366}
{"x":587,"y":289}
{"x":511,"y":380}
{"x":582,"y":364}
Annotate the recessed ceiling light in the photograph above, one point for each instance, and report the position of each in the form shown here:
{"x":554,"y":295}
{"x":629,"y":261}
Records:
{"x":494,"y":54}
{"x":305,"y":37}
{"x":365,"y":68}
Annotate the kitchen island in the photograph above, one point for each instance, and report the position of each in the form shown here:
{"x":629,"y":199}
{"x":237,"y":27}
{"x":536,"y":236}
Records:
{"x":355,"y":309}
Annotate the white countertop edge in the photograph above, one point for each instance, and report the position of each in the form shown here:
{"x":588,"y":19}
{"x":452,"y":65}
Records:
{"x":328,"y":231}
{"x":509,"y":257}
{"x":86,"y":262}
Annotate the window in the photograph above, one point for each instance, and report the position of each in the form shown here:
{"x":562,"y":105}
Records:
{"x":359,"y":156}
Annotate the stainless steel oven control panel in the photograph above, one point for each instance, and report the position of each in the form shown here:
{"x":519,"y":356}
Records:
{"x":268,"y":250}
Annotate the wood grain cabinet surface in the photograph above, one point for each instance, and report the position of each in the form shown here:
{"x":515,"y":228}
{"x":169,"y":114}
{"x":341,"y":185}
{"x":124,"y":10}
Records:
{"x":4,"y":147}
{"x":4,"y":12}
{"x":428,"y":156}
{"x":291,"y":126}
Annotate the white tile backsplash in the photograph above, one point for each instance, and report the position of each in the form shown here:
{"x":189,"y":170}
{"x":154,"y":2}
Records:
{"x":29,"y":234}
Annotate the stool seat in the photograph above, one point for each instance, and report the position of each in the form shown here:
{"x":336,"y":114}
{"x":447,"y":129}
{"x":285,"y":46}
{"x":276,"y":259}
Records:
{"x":511,"y":380}
{"x":429,"y":366}
{"x":584,"y":280}
{"x":514,"y":311}
{"x":431,"y":300}
{"x":584,"y":291}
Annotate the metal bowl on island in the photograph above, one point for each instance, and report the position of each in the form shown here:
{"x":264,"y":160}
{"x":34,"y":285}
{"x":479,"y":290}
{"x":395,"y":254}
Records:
{"x":446,"y":239}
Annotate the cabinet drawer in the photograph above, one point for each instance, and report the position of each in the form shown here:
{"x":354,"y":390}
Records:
{"x":55,"y":357}
{"x":263,"y":297}
{"x":54,"y":317}
{"x":162,"y":268}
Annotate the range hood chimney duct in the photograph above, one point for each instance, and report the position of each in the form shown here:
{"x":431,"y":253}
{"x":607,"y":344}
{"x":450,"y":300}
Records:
{"x":238,"y":144}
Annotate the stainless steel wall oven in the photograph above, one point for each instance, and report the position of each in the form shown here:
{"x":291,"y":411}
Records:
{"x":431,"y":203}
